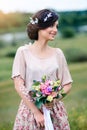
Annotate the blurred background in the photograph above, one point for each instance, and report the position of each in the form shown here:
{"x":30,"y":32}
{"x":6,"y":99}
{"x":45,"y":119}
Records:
{"x":71,"y":38}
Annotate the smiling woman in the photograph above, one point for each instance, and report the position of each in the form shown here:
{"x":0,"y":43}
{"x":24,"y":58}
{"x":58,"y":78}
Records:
{"x":31,"y":63}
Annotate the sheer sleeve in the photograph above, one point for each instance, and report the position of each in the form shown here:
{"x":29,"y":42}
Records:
{"x":18,"y":68}
{"x":19,"y":71}
{"x":63,"y":72}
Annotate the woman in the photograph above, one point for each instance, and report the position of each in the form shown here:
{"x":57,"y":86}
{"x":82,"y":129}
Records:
{"x":31,"y":63}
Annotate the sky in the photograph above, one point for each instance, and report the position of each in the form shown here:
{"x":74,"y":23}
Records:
{"x":35,"y":5}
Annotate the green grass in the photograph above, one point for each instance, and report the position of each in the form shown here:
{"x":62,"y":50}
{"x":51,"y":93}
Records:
{"x":79,"y":41}
{"x":75,"y":101}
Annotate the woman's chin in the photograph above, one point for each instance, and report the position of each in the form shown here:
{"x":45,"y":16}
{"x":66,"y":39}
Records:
{"x":51,"y":39}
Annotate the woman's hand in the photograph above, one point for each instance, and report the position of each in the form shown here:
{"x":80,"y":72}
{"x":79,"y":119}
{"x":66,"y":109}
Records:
{"x":39,"y":117}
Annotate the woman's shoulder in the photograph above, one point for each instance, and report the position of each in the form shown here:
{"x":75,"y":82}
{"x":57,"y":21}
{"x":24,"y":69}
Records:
{"x":59,"y":51}
{"x":23,"y":48}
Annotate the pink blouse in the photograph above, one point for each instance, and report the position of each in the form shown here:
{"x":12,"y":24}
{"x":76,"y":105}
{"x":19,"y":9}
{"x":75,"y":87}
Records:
{"x":29,"y":67}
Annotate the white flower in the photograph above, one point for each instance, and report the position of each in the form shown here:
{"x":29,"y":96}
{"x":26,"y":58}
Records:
{"x":48,"y":16}
{"x":45,"y":19}
{"x":32,"y":21}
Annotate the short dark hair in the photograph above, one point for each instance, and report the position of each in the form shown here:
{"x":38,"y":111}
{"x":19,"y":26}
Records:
{"x":41,"y":20}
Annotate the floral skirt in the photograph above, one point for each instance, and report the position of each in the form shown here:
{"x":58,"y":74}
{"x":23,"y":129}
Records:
{"x":25,"y":119}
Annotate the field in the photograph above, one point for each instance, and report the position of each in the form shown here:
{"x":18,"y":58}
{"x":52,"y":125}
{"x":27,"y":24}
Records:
{"x":75,"y":102}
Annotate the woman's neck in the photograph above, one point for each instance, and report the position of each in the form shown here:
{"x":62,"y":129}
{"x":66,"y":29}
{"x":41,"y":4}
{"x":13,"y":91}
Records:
{"x":41,"y":49}
{"x":40,"y":45}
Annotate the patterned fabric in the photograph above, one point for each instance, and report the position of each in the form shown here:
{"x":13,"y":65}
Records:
{"x":25,"y":119}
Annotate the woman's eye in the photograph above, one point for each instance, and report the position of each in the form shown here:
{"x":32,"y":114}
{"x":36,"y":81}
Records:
{"x":57,"y":26}
{"x":52,"y":25}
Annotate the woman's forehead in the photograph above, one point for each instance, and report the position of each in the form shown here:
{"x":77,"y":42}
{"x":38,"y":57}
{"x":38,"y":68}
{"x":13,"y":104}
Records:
{"x":56,"y":23}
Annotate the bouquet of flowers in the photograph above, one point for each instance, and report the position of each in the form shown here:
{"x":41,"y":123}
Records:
{"x":45,"y":91}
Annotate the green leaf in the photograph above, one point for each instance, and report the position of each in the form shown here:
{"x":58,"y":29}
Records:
{"x":40,"y":93}
{"x":55,"y":88}
{"x":37,"y":99}
{"x":36,"y":83}
{"x":44,"y":78}
{"x":57,"y":96}
{"x":38,"y":104}
{"x":63,"y":94}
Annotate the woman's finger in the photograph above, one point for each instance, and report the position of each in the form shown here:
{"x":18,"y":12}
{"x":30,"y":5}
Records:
{"x":38,"y":124}
{"x":42,"y":124}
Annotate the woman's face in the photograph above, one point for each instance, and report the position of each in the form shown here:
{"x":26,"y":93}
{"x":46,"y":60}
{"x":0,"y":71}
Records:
{"x":48,"y":33}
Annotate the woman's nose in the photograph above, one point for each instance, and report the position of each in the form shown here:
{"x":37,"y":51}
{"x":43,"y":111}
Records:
{"x":55,"y":29}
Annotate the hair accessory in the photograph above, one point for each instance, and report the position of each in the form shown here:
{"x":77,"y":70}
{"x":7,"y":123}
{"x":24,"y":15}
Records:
{"x":48,"y":16}
{"x":32,"y":21}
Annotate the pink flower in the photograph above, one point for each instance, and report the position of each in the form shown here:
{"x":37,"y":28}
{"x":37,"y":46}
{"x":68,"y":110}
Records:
{"x":59,"y":88}
{"x":42,"y":86}
{"x":46,"y":92}
{"x":46,"y":89}
{"x":48,"y":82}
{"x":38,"y":95}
